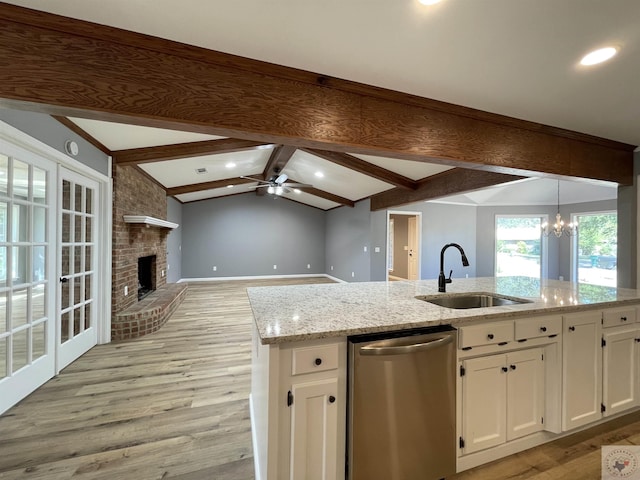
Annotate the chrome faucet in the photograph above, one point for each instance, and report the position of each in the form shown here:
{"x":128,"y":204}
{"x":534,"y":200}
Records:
{"x":442,"y":281}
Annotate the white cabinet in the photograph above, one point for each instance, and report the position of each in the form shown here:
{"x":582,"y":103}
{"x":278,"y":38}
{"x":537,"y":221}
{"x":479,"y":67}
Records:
{"x":314,"y":430}
{"x":620,"y":361}
{"x":312,"y":420}
{"x":581,"y":369}
{"x":502,"y":398}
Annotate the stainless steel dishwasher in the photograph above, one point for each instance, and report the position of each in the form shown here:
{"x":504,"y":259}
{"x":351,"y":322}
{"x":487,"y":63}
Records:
{"x":402,"y":405}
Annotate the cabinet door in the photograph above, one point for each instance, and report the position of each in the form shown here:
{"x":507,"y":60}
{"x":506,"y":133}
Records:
{"x":581,"y":369}
{"x":620,"y":370}
{"x":525,"y":393}
{"x":484,"y":395}
{"x":314,"y":420}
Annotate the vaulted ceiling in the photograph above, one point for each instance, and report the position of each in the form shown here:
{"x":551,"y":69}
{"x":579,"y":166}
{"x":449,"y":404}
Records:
{"x":510,"y":58}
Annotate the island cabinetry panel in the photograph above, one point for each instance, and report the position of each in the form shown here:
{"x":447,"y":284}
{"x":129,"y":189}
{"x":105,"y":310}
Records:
{"x":581,"y":369}
{"x":312,"y":419}
{"x":620,"y":362}
{"x":503,"y":398}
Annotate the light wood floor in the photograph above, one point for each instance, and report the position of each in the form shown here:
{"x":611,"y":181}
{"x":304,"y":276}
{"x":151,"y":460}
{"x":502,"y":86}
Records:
{"x":174,"y":406}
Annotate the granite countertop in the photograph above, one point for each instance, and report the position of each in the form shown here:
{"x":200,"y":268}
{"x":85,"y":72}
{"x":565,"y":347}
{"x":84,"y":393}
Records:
{"x":306,"y":312}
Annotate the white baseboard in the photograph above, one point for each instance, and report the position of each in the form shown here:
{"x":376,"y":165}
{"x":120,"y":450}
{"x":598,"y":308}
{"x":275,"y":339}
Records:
{"x":335,"y":279}
{"x":259,"y":277}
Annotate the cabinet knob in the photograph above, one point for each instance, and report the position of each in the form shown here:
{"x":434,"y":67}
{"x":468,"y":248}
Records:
{"x":505,"y":369}
{"x":513,"y":367}
{"x":572,"y":329}
{"x":543,"y":329}
{"x":318,"y":361}
{"x":332,"y":399}
{"x":490,"y":336}
{"x":624,"y":319}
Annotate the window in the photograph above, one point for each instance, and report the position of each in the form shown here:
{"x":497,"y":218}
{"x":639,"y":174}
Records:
{"x":595,"y":249}
{"x":519,"y":246}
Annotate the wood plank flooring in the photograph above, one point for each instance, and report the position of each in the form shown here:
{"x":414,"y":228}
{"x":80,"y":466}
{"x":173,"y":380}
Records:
{"x":174,"y":405}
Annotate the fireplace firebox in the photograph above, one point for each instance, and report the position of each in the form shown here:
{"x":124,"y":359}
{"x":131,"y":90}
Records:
{"x":146,"y":276}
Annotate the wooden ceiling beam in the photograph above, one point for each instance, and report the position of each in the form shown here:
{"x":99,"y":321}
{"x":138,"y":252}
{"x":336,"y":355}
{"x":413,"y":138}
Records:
{"x":63,"y":66}
{"x":137,"y":156}
{"x":278,"y":160}
{"x":449,"y":182}
{"x":326,"y":195}
{"x":358,"y":165}
{"x":82,"y":133}
{"x":198,"y":187}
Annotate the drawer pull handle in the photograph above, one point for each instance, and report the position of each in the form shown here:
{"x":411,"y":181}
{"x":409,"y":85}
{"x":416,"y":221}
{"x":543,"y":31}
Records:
{"x":513,"y":367}
{"x":332,"y":399}
{"x":572,"y":329}
{"x":505,"y":369}
{"x":624,"y":319}
{"x":318,"y":361}
{"x":490,"y":336}
{"x":543,"y":329}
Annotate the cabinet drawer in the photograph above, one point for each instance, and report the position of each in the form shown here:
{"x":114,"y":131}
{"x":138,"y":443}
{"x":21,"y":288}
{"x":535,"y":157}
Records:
{"x":538,"y":327}
{"x":314,"y":359}
{"x":614,"y":317}
{"x":486,"y":334}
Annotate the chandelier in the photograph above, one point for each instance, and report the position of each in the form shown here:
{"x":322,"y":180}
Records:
{"x":559,"y":228}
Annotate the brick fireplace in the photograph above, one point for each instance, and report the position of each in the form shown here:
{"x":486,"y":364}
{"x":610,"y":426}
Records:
{"x":135,"y":194}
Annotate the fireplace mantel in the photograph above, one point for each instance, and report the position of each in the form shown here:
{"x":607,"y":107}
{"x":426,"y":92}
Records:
{"x":149,"y":221}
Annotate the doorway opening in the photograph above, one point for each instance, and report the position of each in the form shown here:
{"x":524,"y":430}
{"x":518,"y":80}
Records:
{"x":404,"y":245}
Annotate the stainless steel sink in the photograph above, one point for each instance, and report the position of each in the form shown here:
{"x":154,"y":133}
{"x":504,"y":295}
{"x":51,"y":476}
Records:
{"x":471,"y":300}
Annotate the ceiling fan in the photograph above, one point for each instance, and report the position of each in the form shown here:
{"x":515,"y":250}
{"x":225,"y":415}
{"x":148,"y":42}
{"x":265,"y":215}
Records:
{"x":277,"y":185}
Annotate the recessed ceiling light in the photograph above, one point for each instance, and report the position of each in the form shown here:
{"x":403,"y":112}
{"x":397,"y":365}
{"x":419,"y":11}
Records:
{"x":319,"y":174}
{"x":429,"y":2}
{"x":230,"y":165}
{"x":598,"y":56}
{"x":297,"y":190}
{"x":229,"y":186}
{"x":200,"y":171}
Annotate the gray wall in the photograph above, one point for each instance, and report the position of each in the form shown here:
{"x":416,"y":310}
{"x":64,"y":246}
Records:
{"x":627,"y":230}
{"x":347,"y":234}
{"x":48,"y":130}
{"x":245,"y":235}
{"x":441,"y":224}
{"x":174,"y":241}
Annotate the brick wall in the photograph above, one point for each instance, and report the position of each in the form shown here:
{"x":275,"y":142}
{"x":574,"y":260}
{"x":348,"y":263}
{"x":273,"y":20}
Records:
{"x":135,"y":194}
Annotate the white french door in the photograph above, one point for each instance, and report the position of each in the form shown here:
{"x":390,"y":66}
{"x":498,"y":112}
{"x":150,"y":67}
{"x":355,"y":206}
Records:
{"x":27,"y":266}
{"x":77,"y":265}
{"x":54,"y":263}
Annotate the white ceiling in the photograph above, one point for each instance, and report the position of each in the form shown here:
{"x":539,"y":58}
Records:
{"x":513,"y":57}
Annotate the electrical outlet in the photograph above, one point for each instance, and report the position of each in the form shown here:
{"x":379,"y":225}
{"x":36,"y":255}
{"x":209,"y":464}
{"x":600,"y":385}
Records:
{"x":126,"y":290}
{"x":215,"y":269}
{"x":162,"y":273}
{"x":353,"y":274}
{"x":365,"y":249}
{"x":332,"y":268}
{"x":308,"y":265}
{"x":275,"y":267}
{"x":377,"y":250}
{"x":406,"y":248}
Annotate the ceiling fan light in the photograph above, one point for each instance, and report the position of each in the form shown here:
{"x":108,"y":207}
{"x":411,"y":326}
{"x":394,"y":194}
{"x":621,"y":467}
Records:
{"x":271,"y":190}
{"x":279,"y":190}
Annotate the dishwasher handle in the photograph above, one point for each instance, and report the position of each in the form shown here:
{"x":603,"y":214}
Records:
{"x":382,"y":348}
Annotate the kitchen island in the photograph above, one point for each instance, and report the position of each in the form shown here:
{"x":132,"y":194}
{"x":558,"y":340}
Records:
{"x":299,"y":372}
